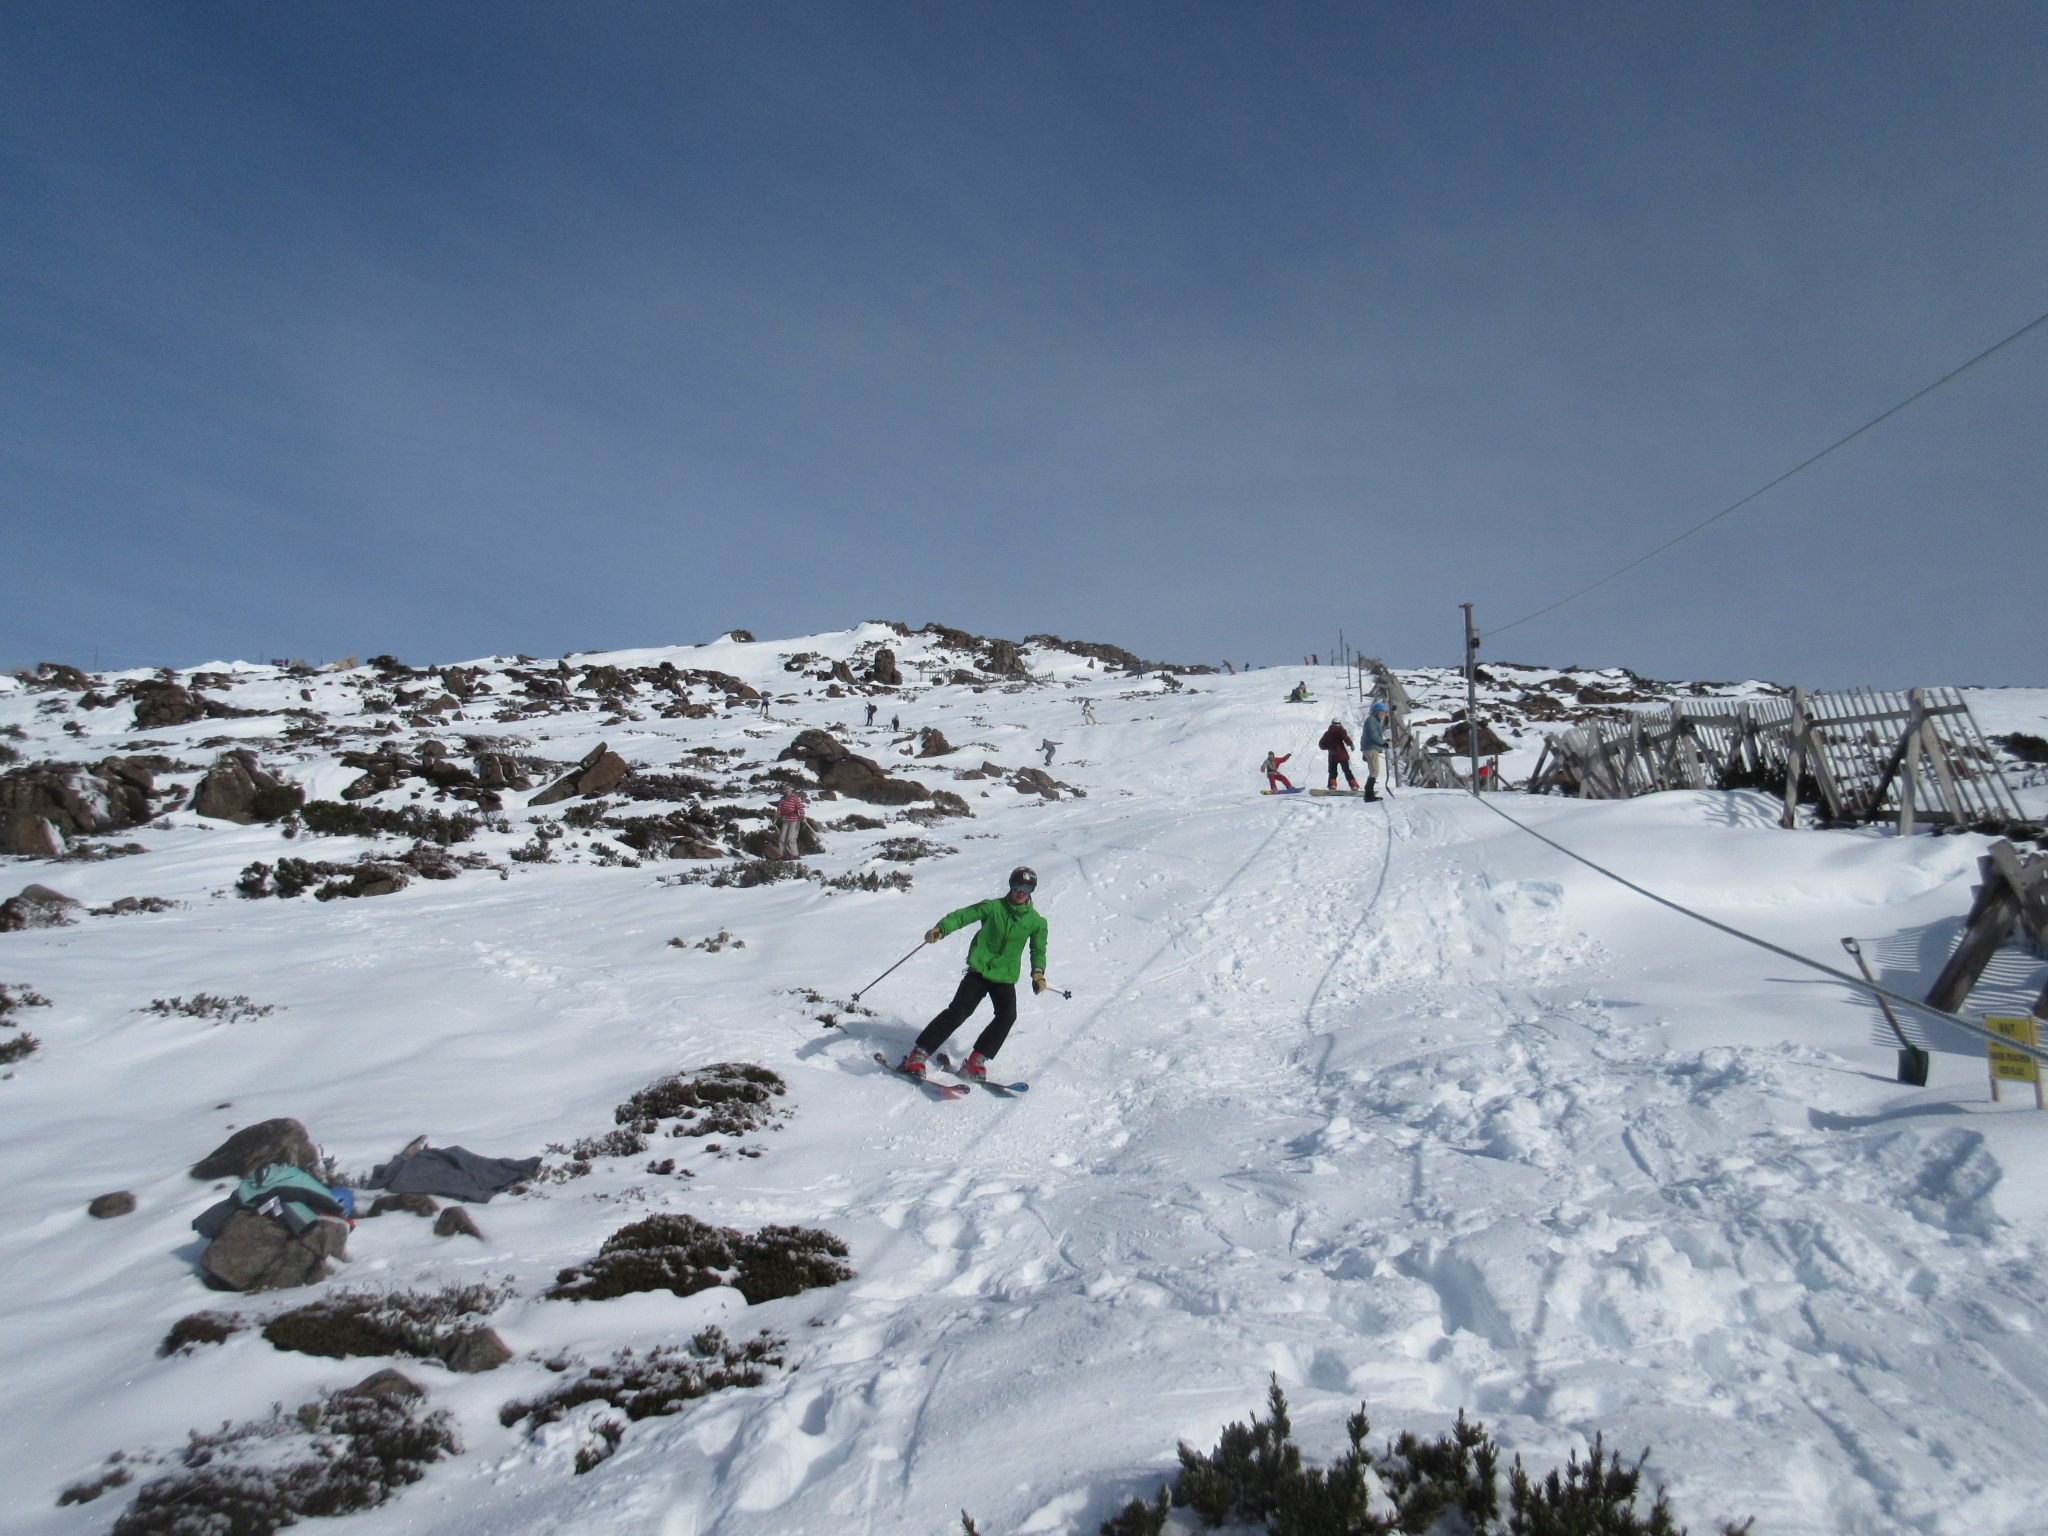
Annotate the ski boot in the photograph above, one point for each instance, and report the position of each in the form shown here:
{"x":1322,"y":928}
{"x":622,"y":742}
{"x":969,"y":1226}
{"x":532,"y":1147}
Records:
{"x":975,"y":1067}
{"x":913,"y":1064}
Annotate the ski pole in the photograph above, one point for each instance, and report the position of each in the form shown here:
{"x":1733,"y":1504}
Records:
{"x":879,"y":979}
{"x":1912,"y":1060}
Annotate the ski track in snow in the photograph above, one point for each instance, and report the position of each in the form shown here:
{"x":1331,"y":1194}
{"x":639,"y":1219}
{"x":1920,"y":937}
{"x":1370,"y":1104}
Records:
{"x":1384,"y":1099}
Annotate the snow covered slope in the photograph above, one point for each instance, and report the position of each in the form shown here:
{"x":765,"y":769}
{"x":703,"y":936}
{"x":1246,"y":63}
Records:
{"x":1386,"y":1099}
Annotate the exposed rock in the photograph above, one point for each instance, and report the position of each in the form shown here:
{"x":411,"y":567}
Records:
{"x":478,"y":1350}
{"x":43,"y":805}
{"x":456,"y":1222}
{"x":498,"y":770}
{"x":54,"y":674}
{"x":119,"y":1203}
{"x":860,"y":778}
{"x":841,"y":672}
{"x":387,"y":1385}
{"x":602,"y":770}
{"x":1036,"y":781}
{"x":254,"y":1253}
{"x":994,"y":770}
{"x":161,"y":704}
{"x":744,"y":636}
{"x":237,"y":789}
{"x":931,"y":742}
{"x":415,"y":1203}
{"x":259,"y":1146}
{"x":884,"y":670}
{"x":1004,"y":660}
{"x":944,"y":804}
{"x":1489,"y":744}
{"x":37,"y":906}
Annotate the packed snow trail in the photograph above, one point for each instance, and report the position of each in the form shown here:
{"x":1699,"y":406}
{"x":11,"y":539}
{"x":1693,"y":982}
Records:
{"x":1384,"y":1098}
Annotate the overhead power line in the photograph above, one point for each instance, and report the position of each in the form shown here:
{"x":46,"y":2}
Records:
{"x":1843,"y":442}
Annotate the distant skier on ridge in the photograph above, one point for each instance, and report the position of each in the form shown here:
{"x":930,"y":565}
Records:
{"x":1008,"y":923}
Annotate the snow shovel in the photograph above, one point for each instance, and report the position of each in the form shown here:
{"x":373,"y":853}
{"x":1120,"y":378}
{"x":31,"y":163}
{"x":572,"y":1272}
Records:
{"x":1912,"y":1060}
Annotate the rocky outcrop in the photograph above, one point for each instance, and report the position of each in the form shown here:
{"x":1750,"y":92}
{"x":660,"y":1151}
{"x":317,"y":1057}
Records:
{"x":388,"y":1385}
{"x":456,"y":1222}
{"x":1036,"y":781}
{"x":237,"y":789}
{"x":841,"y":672}
{"x":1456,"y":738}
{"x":884,"y":670}
{"x":931,"y":742}
{"x":413,"y":1203}
{"x":1004,"y":659}
{"x":37,"y":907}
{"x":858,"y":778}
{"x":254,"y":1253}
{"x":259,"y":1146}
{"x":598,"y":773}
{"x":44,"y":805}
{"x":478,"y":1350}
{"x":159,"y":705}
{"x":119,"y":1203}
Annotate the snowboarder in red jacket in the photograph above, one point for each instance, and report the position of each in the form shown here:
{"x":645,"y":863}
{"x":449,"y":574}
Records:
{"x":1275,"y":779}
{"x":1337,"y":743}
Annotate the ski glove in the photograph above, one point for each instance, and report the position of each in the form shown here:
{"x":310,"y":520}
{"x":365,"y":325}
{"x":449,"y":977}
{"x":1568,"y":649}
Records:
{"x":1037,"y":982}
{"x":933,"y":937}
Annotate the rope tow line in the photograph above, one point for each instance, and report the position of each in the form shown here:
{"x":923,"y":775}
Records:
{"x":2039,"y":1053}
{"x":1840,"y":442}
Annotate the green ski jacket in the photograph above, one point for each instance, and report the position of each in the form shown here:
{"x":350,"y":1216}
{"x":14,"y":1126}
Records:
{"x":1000,"y":944}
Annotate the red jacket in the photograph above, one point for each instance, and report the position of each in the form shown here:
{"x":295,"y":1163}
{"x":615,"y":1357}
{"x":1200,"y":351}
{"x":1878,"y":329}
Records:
{"x":1336,"y":741}
{"x":790,"y":807}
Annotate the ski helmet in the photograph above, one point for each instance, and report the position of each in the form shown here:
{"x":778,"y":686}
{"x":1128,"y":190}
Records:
{"x":1023,"y":878}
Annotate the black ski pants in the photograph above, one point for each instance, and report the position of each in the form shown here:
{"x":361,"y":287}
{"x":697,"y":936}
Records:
{"x":973,"y":988}
{"x":1340,"y":763}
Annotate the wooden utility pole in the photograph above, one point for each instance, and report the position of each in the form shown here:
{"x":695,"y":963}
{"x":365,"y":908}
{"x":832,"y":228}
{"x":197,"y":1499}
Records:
{"x":1471,"y":696}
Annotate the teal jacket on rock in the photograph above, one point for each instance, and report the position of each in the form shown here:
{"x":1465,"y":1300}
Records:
{"x":999,"y":947}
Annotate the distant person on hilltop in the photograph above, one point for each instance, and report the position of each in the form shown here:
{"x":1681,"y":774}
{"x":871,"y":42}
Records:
{"x":1337,"y":743}
{"x":1275,"y":779}
{"x":1008,"y":923}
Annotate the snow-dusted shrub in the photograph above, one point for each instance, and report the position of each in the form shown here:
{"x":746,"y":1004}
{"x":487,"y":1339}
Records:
{"x":334,"y":819}
{"x":653,"y":1385}
{"x":619,"y":1143}
{"x":19,"y":1047}
{"x":196,"y":1328}
{"x":908,"y":850}
{"x":417,"y":1323}
{"x":728,"y":1098}
{"x":359,"y":1451}
{"x":1256,"y":1476}
{"x":684,"y":1255}
{"x":203,"y":1005}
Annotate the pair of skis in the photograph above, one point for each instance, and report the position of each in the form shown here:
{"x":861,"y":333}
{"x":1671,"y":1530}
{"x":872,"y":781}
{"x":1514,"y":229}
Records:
{"x":951,"y":1090}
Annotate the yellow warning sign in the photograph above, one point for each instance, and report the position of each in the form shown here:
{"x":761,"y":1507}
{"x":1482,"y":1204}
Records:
{"x":2008,"y":1064}
{"x":2011,"y":1065}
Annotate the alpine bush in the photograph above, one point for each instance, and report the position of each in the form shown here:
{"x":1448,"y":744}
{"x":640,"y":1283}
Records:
{"x":684,"y":1255}
{"x":333,"y":819}
{"x":1256,"y":1476}
{"x":421,"y":1324}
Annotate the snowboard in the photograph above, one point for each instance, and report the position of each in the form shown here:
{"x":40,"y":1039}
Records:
{"x":1005,"y":1090}
{"x":937,"y":1090}
{"x":1342,"y":794}
{"x":1294,"y":791}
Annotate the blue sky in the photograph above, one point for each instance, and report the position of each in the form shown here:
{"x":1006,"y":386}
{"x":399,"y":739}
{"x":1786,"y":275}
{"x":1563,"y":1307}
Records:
{"x":444,"y":329}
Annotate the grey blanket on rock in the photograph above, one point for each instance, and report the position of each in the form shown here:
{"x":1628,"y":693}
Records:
{"x":455,"y":1173}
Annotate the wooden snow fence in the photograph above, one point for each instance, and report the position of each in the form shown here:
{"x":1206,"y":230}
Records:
{"x":2014,"y":894}
{"x":1864,"y":755}
{"x":1407,"y":761}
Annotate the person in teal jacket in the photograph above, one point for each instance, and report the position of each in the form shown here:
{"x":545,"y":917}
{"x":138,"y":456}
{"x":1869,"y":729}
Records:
{"x":993,"y":961}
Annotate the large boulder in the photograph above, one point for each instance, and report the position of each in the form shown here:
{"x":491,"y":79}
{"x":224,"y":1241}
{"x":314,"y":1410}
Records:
{"x":597,"y":774}
{"x":259,"y":1146}
{"x":1004,"y":659}
{"x":931,"y":742}
{"x":237,"y":789}
{"x":43,"y":805}
{"x":160,"y":704}
{"x":255,"y":1253}
{"x":1456,"y":738}
{"x":858,"y":778}
{"x":884,"y":669}
{"x":37,"y":907}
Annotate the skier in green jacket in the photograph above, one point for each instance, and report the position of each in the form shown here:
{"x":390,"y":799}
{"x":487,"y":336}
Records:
{"x":992,"y":966}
